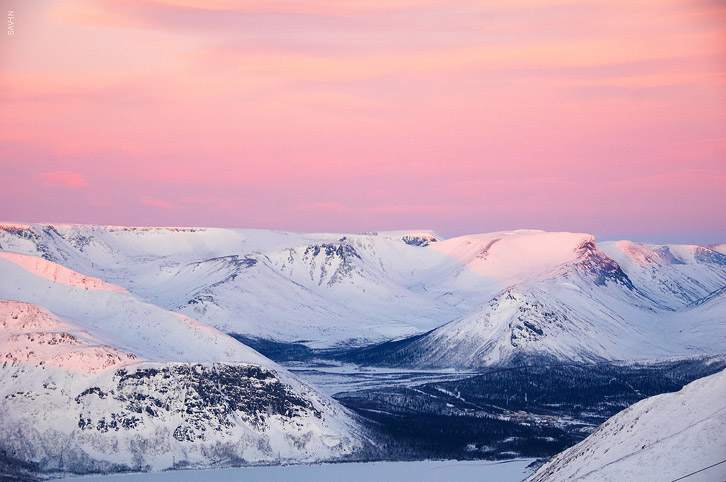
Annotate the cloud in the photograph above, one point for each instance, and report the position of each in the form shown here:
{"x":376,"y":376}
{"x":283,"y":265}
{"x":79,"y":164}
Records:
{"x":695,"y":182}
{"x":63,"y":178}
{"x":209,"y":202}
{"x":152,"y":201}
{"x":414,"y":208}
{"x":93,"y":12}
{"x":322,"y":207}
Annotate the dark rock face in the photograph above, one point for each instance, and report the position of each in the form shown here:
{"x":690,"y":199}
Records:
{"x":667,"y":256}
{"x":208,"y":398}
{"x":232,"y":262}
{"x":419,"y":240}
{"x":30,"y":235}
{"x":343,"y":251}
{"x":602,"y":268}
{"x":709,"y":256}
{"x":336,"y":261}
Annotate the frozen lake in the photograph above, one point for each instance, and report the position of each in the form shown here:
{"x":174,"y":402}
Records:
{"x":333,"y":379}
{"x":426,"y":471}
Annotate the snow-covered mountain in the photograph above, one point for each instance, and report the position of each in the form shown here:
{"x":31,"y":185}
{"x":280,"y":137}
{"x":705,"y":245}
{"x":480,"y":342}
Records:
{"x":93,"y":378}
{"x":666,"y":437}
{"x":268,"y":284}
{"x":477,"y":299}
{"x":672,"y":275}
{"x":115,"y":351}
{"x":578,"y":304}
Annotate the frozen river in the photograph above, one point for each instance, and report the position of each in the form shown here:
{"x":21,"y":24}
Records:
{"x":425,"y":471}
{"x":333,"y":379}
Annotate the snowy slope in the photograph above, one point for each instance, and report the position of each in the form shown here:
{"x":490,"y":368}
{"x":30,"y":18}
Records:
{"x":701,"y":320}
{"x":585,"y":309}
{"x":260,"y":283}
{"x":93,"y":378}
{"x":114,"y":352}
{"x":561,"y":321}
{"x":120,"y":319}
{"x":511,"y":256}
{"x":57,"y":273}
{"x":612,"y":300}
{"x":660,"y":438}
{"x":147,"y":415}
{"x":671,"y":275}
{"x":553,"y":321}
{"x":32,"y":335}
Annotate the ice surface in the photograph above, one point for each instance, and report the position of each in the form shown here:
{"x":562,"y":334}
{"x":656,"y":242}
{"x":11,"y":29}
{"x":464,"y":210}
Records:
{"x":425,"y":471}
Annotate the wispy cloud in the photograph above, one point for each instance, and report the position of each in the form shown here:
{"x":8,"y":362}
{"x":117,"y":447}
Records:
{"x":152,"y":201}
{"x":212,"y":202}
{"x":63,"y":178}
{"x":329,"y":207}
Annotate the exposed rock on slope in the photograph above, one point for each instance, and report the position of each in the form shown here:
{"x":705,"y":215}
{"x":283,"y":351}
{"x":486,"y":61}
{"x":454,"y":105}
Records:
{"x":146,"y":416}
{"x":479,"y":299}
{"x":114,"y":383}
{"x":585,"y":309}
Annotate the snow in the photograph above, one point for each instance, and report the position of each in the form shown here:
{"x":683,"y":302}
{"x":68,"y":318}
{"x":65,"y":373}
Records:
{"x":589,"y":308}
{"x":256,"y":282}
{"x":14,"y":226}
{"x":58,"y":274}
{"x":513,"y":256}
{"x":35,"y":336}
{"x":425,"y":471}
{"x":660,"y":438}
{"x":639,"y":255}
{"x":111,"y":419}
{"x":61,"y":390}
{"x":123,"y":321}
{"x":328,"y":289}
{"x":80,"y":302}
{"x":670,"y":275}
{"x":347,"y":377}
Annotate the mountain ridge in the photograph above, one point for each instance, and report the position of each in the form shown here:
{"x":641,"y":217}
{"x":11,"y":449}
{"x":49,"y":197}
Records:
{"x":344,"y":289}
{"x":660,"y":438}
{"x":96,"y":380}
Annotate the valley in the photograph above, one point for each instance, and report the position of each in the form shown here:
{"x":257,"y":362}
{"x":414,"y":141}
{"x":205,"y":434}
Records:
{"x":148,"y":349}
{"x":534,"y":410}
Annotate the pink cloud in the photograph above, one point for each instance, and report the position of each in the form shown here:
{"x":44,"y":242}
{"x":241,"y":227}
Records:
{"x":152,"y":201}
{"x":415,"y":208}
{"x":126,"y":10}
{"x":209,"y":202}
{"x":63,"y":178}
{"x":455,"y":115}
{"x":322,"y":207}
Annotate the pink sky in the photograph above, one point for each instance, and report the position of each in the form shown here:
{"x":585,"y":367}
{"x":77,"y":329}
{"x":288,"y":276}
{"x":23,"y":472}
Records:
{"x":607,"y":117}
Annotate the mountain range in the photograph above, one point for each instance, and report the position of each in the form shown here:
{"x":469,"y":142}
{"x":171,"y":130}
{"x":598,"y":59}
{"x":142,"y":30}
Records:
{"x":116,"y":349}
{"x":332,"y":289}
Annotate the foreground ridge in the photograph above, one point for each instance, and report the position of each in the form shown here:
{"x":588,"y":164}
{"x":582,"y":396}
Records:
{"x":666,"y":437}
